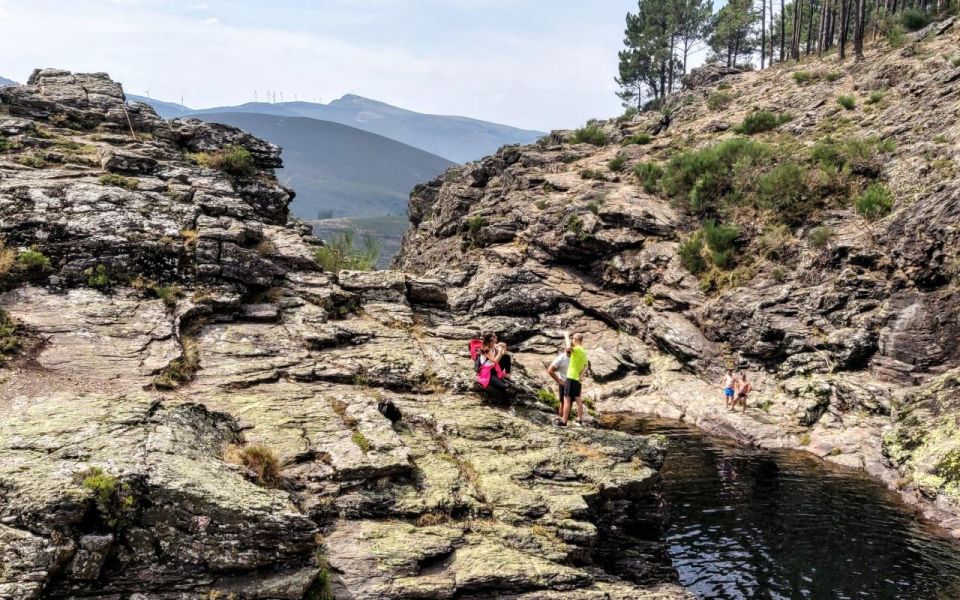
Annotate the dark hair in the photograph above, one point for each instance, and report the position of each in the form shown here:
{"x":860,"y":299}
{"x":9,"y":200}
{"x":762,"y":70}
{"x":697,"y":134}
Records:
{"x":487,"y":338}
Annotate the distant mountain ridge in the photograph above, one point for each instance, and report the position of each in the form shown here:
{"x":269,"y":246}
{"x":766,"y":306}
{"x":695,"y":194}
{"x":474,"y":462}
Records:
{"x":338,"y":168}
{"x":4,"y":81}
{"x":459,"y":139}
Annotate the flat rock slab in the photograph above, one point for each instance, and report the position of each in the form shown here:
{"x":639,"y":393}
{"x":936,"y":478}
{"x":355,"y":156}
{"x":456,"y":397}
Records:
{"x":94,"y":335}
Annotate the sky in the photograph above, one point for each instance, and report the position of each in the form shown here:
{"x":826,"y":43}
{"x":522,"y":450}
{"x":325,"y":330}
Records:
{"x":538,"y":64}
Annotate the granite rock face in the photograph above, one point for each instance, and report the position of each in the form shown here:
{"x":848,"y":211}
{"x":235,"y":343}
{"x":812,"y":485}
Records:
{"x":839,"y":338}
{"x":198,"y":411}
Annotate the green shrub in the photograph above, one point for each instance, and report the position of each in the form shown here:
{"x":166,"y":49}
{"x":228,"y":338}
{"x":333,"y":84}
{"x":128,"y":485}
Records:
{"x":720,"y":241}
{"x":547,"y":397}
{"x":820,"y":236}
{"x":940,"y":138}
{"x":914,"y":19}
{"x":775,"y":240}
{"x":258,"y":458}
{"x":719,"y":100}
{"x":849,"y":154}
{"x":114,"y":499}
{"x":593,"y":207}
{"x":628,"y":114}
{"x":169,"y":294}
{"x":127,"y":183}
{"x":32,"y":261}
{"x":233,"y":160}
{"x":782,"y":190}
{"x":803,"y":77}
{"x":848,"y":102}
{"x":342,"y":252}
{"x":641,"y":139}
{"x":617,"y":163}
{"x":649,"y":174}
{"x":895,"y":36}
{"x":833,"y":76}
{"x":691,"y":253}
{"x":476,"y":223}
{"x":705,"y":177}
{"x":955,"y":61}
{"x":760,"y":121}
{"x":875,"y":202}
{"x":591,"y":134}
{"x":5,"y":144}
{"x":575,"y":224}
{"x":98,"y":277}
{"x":875,"y":97}
{"x":592,"y":174}
{"x":32,"y":160}
{"x":724,"y":85}
{"x":9,"y":341}
{"x":541,"y":204}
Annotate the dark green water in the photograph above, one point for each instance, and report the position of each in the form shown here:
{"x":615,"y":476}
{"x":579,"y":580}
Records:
{"x":747,"y":523}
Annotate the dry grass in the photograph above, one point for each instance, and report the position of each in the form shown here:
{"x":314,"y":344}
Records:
{"x":587,"y":451}
{"x":432,"y":518}
{"x":180,"y":370}
{"x":258,"y":458}
{"x":189,"y":238}
{"x":541,"y":531}
{"x":8,"y":257}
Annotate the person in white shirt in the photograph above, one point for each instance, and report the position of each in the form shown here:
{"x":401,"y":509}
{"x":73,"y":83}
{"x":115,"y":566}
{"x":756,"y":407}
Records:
{"x":558,"y":372}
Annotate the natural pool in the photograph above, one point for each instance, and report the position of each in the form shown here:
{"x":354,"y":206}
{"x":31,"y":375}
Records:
{"x":748,"y":523}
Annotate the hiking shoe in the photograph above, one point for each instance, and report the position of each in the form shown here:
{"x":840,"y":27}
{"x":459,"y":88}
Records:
{"x":578,"y":423}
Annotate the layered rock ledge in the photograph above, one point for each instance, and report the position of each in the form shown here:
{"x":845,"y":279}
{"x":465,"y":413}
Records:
{"x":175,"y":320}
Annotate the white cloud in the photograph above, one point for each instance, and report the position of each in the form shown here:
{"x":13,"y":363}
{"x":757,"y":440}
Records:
{"x":211,"y":20}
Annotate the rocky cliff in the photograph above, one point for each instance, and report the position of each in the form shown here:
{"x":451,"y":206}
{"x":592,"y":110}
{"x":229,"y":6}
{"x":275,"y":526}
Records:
{"x":801,"y":224}
{"x":191,"y":408}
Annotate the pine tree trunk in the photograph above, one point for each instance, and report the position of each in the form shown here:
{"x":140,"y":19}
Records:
{"x":795,"y":37}
{"x":859,"y":30}
{"x":763,"y":31}
{"x":809,"y":29}
{"x":783,"y":30}
{"x":844,"y":17}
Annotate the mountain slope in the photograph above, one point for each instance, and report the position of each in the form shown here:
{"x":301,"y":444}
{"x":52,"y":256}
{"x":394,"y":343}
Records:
{"x":801,"y":224}
{"x":4,"y":81}
{"x":334,"y":167}
{"x":167,"y":110}
{"x":459,"y":139}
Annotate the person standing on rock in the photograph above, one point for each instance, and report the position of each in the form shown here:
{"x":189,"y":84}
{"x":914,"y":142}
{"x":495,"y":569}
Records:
{"x":558,"y":372}
{"x":728,"y":388}
{"x":743,"y":389}
{"x":579,"y":363}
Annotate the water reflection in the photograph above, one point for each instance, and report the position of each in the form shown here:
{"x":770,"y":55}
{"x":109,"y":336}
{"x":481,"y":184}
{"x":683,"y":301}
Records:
{"x":748,"y":523}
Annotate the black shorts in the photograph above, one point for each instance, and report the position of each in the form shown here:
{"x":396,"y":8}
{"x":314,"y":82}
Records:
{"x":561,"y":390}
{"x":573,"y":388}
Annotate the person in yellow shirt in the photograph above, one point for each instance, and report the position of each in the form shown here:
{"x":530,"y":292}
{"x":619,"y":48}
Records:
{"x":579,"y":366}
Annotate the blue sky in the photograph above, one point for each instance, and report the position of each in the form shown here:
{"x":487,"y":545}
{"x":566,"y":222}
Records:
{"x":531,"y":63}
